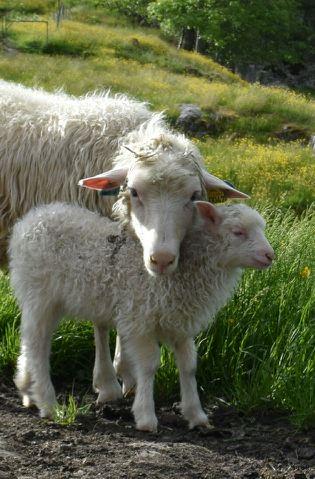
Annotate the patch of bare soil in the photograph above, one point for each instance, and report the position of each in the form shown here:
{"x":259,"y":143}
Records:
{"x":105,"y":444}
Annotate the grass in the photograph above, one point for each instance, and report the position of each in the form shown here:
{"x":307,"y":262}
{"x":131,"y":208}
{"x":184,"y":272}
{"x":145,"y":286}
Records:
{"x":66,"y":413}
{"x":139,"y":62}
{"x":260,"y":351}
{"x":9,"y":321}
{"x":19,"y":7}
{"x":278,"y":172}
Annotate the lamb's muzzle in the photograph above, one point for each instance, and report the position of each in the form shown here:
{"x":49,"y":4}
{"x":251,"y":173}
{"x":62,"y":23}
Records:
{"x":162,"y":260}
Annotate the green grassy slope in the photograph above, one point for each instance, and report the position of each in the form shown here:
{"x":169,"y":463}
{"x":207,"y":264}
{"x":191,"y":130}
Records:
{"x":81,"y":57}
{"x":261,"y":350}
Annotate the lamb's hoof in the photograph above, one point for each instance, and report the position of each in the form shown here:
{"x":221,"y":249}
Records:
{"x":147,"y":425}
{"x":109,"y":395}
{"x":201,"y":421}
{"x":27,"y":401}
{"x":47,"y":412}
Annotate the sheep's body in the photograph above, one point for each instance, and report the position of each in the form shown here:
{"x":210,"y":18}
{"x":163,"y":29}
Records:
{"x":50,"y":141}
{"x":66,"y":260}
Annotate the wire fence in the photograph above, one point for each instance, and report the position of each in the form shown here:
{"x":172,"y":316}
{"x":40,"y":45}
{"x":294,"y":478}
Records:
{"x":7,"y":20}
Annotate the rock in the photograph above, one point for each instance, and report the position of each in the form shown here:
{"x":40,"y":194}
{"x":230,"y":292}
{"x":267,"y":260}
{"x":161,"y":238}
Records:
{"x":251,"y":475}
{"x":135,"y":42}
{"x":189,"y":118}
{"x":306,"y":452}
{"x":291,"y":132}
{"x":79,"y":473}
{"x":193,"y":121}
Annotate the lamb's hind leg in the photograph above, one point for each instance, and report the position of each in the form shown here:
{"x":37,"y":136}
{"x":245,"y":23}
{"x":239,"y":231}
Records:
{"x":186,"y":359}
{"x":32,"y":377}
{"x":104,"y":376}
{"x":23,"y":377}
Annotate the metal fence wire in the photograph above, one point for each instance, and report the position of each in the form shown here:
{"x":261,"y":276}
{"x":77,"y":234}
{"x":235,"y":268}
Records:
{"x":6,"y":22}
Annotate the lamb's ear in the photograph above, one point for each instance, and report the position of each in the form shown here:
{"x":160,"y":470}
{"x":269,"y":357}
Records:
{"x":214,"y":183}
{"x":209,"y":213}
{"x":105,"y":181}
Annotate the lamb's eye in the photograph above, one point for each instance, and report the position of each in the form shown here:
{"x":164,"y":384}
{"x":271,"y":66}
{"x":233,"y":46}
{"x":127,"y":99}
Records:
{"x":133,"y":192}
{"x":239,"y":233}
{"x":195,"y":196}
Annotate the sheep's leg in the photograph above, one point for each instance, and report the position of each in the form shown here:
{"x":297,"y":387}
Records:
{"x":123,"y":369}
{"x":144,"y":354}
{"x":32,"y":377}
{"x":186,"y":359}
{"x":104,"y":377}
{"x":23,"y":378}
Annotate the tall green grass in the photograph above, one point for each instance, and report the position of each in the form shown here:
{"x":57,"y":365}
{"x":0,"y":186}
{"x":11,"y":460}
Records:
{"x":9,"y":335}
{"x":260,"y":352}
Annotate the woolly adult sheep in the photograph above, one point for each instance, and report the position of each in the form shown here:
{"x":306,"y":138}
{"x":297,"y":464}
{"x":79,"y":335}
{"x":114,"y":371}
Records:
{"x":67,"y":260}
{"x":49,"y":141}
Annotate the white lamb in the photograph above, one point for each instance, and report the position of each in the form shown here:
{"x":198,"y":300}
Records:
{"x":67,"y":260}
{"x":49,"y":141}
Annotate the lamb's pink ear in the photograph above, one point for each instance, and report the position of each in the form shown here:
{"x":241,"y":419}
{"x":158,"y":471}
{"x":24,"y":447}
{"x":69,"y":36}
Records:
{"x":105,"y":181}
{"x":208,"y":212}
{"x":214,"y":183}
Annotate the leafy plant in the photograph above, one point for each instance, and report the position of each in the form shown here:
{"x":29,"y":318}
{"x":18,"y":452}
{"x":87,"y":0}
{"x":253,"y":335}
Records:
{"x":66,"y":413}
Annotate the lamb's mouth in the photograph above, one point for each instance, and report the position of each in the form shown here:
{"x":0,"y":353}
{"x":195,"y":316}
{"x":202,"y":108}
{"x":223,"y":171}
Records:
{"x":157,"y":272}
{"x":261,"y":264}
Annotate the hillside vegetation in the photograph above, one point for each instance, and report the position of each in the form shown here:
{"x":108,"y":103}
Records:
{"x":261,"y":352}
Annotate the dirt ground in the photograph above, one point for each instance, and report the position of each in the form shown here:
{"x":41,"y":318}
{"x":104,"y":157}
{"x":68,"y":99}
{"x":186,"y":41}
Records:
{"x":105,"y":444}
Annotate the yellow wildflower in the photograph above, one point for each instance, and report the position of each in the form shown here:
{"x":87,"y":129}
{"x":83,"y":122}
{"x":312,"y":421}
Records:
{"x":305,"y":273}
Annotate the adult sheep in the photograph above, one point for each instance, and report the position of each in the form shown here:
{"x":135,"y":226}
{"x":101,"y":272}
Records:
{"x":49,"y":141}
{"x":66,"y":260}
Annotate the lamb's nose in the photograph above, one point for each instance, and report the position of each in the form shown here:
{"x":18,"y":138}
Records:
{"x":162,"y":260}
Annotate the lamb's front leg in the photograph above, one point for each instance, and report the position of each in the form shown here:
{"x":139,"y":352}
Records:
{"x":186,"y":359}
{"x":104,"y":376}
{"x":144,"y":354}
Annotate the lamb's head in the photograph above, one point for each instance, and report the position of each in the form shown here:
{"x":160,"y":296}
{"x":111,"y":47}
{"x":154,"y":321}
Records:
{"x":240,"y":231}
{"x":160,"y":178}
